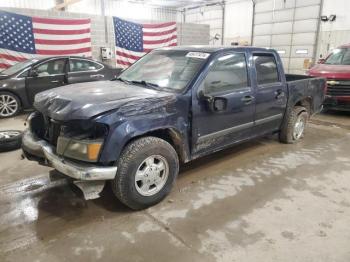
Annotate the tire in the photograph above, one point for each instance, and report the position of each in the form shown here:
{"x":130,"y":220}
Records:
{"x":10,"y":105}
{"x":289,"y":133}
{"x":10,"y":140}
{"x":133,"y":180}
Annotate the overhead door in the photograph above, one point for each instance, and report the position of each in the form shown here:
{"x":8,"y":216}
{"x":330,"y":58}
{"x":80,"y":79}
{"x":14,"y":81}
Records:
{"x":290,"y":27}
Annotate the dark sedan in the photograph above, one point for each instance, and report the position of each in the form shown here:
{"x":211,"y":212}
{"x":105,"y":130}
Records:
{"x":21,"y":82}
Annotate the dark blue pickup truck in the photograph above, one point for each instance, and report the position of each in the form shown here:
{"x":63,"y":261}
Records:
{"x":172,"y":106}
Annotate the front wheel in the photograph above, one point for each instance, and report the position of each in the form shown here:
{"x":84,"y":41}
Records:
{"x":147,"y":169}
{"x":294,"y":125}
{"x":9,"y":105}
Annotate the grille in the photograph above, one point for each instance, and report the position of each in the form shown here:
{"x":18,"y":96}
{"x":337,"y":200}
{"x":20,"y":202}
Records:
{"x":338,"y":87}
{"x":52,"y":131}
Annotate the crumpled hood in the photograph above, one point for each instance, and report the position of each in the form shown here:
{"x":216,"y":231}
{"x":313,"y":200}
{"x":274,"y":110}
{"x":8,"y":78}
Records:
{"x":86,"y":100}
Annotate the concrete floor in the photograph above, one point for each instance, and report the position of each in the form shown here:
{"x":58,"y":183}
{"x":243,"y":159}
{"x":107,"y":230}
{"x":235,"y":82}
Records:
{"x":260,"y":201}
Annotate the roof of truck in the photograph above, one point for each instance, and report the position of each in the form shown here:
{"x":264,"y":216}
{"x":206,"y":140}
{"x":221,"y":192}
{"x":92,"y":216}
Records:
{"x":211,"y":49}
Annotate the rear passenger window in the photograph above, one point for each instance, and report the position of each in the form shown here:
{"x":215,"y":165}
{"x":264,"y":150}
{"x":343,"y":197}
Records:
{"x":266,"y":69}
{"x":76,"y":65}
{"x":227,"y":74}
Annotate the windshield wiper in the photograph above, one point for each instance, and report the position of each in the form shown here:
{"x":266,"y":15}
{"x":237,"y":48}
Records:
{"x":145,"y":83}
{"x":123,"y":80}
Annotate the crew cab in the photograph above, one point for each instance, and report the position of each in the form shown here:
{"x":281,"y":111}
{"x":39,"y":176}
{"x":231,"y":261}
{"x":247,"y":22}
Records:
{"x":21,"y":82}
{"x":170,"y":107}
{"x":336,"y":68}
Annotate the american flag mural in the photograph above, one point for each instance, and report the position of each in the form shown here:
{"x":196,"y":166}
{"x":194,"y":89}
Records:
{"x":133,"y":40}
{"x":23,"y":37}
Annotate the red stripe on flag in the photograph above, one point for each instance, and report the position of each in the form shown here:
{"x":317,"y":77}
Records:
{"x":62,"y":42}
{"x":162,"y":41}
{"x":128,"y":55}
{"x":2,"y":65}
{"x":149,"y":50}
{"x":60,"y":21}
{"x":158,"y":25}
{"x":60,"y":32}
{"x":123,"y":63}
{"x":159,"y":33}
{"x":12,"y":58}
{"x":63,"y":52}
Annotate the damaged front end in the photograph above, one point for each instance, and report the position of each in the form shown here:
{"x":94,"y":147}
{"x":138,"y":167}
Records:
{"x":73,"y":148}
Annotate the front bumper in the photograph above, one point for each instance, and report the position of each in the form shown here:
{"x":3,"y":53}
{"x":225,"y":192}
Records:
{"x":41,"y":151}
{"x":337,"y":103}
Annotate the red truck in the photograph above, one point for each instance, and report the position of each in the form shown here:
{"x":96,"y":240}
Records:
{"x":336,"y":68}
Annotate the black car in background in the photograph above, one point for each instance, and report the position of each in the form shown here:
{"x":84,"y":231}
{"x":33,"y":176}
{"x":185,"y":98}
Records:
{"x":20,"y":83}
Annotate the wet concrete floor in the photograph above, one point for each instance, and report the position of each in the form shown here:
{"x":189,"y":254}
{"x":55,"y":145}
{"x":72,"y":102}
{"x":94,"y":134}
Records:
{"x":260,"y":201}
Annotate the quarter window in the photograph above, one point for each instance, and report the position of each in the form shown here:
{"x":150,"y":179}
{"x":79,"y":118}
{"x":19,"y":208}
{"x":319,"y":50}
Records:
{"x":228,"y":73}
{"x":77,"y":65}
{"x":266,"y":69}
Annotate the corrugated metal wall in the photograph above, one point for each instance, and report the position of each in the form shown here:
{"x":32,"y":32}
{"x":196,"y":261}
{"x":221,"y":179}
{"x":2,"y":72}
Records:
{"x":290,"y":27}
{"x":125,"y":10}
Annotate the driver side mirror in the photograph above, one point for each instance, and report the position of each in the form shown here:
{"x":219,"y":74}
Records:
{"x":321,"y":61}
{"x":33,"y":73}
{"x":215,"y":104}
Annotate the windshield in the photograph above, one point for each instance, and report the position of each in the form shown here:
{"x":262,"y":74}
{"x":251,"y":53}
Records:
{"x":169,"y":70}
{"x":18,"y":67}
{"x":339,"y":56}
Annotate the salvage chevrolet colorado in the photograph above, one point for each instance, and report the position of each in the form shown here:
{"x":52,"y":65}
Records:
{"x":172,"y":106}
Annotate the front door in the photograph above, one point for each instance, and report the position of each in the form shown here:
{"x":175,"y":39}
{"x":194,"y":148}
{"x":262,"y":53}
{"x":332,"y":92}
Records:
{"x":47,"y":75}
{"x":271,"y":93}
{"x":223,"y":106}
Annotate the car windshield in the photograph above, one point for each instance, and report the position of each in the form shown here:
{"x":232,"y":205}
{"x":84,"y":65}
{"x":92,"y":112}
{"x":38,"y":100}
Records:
{"x":18,"y":67}
{"x":339,"y":56}
{"x":168,"y":70}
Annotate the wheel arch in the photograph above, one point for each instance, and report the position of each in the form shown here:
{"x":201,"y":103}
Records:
{"x":170,"y":135}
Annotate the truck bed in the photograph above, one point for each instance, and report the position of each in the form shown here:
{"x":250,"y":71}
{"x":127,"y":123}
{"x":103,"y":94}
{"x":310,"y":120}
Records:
{"x":306,"y":87}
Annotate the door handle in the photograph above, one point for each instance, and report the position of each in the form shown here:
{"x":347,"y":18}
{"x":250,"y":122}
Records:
{"x":97,"y":76}
{"x":247,"y":99}
{"x":55,"y":81}
{"x":279,"y":94}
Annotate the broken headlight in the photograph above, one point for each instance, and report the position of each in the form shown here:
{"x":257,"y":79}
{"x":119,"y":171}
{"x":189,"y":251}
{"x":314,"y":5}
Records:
{"x":86,"y":146}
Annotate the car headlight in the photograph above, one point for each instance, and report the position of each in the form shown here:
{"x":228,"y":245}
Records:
{"x":85,"y":150}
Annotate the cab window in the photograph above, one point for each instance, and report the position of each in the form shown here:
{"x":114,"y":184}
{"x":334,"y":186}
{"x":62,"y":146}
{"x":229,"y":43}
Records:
{"x":266,"y":69}
{"x":76,"y":65}
{"x":229,"y":73}
{"x":53,"y":67}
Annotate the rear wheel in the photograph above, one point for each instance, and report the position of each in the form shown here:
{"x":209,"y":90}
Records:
{"x":146,"y":172}
{"x":294,"y":124}
{"x":9,"y":105}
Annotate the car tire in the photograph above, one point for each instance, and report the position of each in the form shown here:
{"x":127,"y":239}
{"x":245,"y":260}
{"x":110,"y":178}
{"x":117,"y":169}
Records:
{"x":293,"y":126}
{"x":10,"y":140}
{"x":10,"y":105}
{"x":139,"y":166}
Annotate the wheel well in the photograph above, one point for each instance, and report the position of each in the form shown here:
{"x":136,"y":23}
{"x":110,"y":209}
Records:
{"x":306,"y":102}
{"x":173,"y":138}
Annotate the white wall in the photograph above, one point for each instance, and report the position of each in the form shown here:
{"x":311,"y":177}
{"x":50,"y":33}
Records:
{"x":333,"y":34}
{"x":238,"y":22}
{"x":125,"y":10}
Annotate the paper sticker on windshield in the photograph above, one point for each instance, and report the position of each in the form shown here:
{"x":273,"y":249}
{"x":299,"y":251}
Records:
{"x":200,"y":55}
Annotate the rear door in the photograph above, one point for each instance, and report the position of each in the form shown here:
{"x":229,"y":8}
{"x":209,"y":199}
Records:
{"x":83,"y":70}
{"x":271,"y":93}
{"x":44,"y":76}
{"x":223,"y":105}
